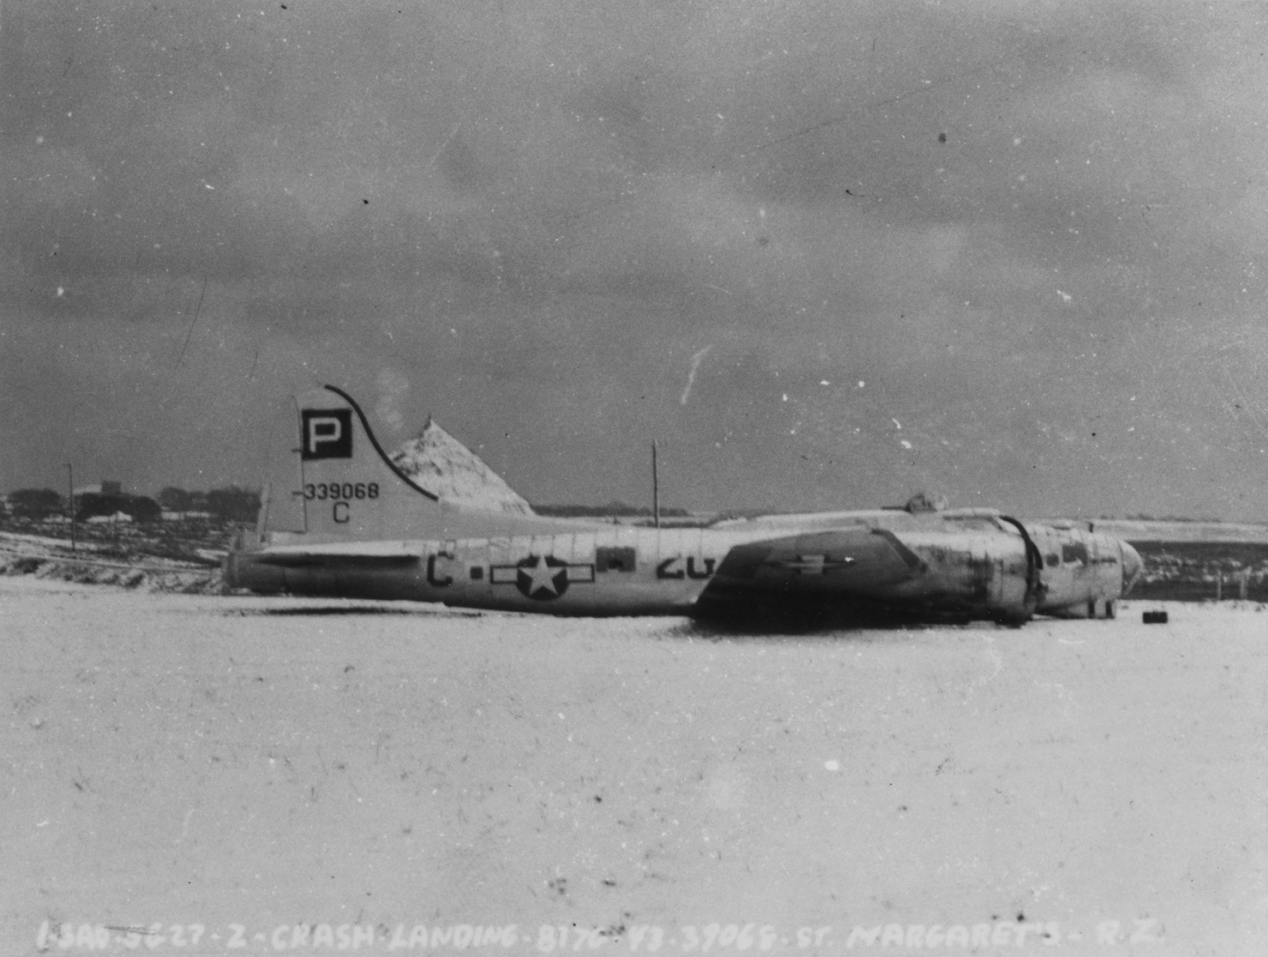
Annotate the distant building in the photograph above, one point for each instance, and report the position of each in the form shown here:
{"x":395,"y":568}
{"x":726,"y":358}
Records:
{"x":104,"y":519}
{"x":109,"y":506}
{"x":192,"y":515}
{"x":104,"y":487}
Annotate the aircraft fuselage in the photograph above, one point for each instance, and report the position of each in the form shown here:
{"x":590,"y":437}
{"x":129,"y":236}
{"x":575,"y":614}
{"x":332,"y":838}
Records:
{"x":342,"y":520}
{"x":980,"y":572}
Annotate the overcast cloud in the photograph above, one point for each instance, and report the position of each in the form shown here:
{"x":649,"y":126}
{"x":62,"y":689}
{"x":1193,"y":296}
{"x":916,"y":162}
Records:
{"x":827,"y":253}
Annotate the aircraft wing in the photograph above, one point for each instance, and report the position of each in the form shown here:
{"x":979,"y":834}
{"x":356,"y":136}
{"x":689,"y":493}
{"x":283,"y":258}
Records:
{"x":856,"y":563}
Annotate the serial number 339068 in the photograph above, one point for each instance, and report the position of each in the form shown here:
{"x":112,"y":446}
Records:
{"x":344,"y":491}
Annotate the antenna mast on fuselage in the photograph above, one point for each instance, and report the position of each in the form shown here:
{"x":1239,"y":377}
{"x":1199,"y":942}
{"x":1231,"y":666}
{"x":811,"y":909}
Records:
{"x":655,"y":488}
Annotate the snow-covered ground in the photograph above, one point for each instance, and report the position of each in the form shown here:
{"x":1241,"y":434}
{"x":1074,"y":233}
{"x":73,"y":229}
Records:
{"x":93,"y":563}
{"x":294,"y":766}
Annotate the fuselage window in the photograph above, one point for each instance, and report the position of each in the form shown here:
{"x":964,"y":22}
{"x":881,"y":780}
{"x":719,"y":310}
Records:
{"x":1074,"y":552}
{"x":614,"y":559}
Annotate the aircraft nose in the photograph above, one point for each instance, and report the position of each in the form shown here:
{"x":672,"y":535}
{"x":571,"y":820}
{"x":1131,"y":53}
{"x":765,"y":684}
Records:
{"x":1133,"y":565}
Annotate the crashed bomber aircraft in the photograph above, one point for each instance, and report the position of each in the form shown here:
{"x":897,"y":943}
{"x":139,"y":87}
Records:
{"x":346,"y":521}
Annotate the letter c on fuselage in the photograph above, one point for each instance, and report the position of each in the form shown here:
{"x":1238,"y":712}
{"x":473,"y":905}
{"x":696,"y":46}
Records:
{"x":431,"y":573}
{"x":340,"y":516}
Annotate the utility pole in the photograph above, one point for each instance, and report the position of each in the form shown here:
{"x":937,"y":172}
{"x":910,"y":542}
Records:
{"x":655,"y":488}
{"x":70,"y":487}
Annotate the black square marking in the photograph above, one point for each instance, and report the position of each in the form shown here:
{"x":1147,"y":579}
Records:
{"x":325,"y":434}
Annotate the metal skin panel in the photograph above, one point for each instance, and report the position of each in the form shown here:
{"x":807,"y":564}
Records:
{"x":372,"y":533}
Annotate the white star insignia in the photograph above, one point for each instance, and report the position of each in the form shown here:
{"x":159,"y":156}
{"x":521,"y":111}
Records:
{"x":541,"y":576}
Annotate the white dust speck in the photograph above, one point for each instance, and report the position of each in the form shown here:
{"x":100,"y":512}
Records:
{"x":185,"y":827}
{"x":906,"y":444}
{"x":696,"y":359}
{"x":860,"y":383}
{"x":832,"y":765}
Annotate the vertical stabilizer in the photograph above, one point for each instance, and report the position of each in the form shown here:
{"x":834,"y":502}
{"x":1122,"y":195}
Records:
{"x":349,"y":489}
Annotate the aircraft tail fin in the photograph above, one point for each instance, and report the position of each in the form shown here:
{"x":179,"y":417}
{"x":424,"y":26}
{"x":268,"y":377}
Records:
{"x":340,"y":485}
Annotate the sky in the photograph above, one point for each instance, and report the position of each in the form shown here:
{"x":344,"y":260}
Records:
{"x":825,"y":254}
